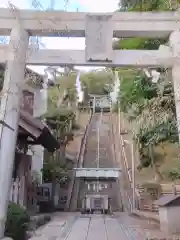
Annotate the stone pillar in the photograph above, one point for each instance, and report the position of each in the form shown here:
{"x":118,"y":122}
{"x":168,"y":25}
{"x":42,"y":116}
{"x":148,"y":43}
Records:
{"x":9,"y":113}
{"x":174,"y":42}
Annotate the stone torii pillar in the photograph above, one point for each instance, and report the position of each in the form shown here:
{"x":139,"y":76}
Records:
{"x":174,"y":42}
{"x":9,"y":114}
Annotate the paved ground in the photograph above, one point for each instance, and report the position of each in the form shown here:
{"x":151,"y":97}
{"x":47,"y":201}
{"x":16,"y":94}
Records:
{"x":97,"y":227}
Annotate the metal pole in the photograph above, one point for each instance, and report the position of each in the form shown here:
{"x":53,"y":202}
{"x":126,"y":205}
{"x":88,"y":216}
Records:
{"x":9,"y":113}
{"x":98,"y":150}
{"x":94,"y":104}
{"x":119,"y":118}
{"x":100,"y":123}
{"x":133,"y":176}
{"x":98,"y":154}
{"x":98,"y":139}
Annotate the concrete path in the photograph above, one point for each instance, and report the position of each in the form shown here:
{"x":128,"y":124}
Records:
{"x":97,"y":227}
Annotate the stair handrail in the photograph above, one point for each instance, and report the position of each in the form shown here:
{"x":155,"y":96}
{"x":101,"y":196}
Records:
{"x":80,"y":157}
{"x":84,"y":143}
{"x":113,"y":140}
{"x":126,"y":166}
{"x":124,"y":157}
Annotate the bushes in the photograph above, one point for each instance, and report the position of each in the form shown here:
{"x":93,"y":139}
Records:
{"x":38,"y":221}
{"x":173,"y":174}
{"x":17,"y":222}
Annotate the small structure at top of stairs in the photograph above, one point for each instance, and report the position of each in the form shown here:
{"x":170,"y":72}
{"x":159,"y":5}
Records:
{"x":97,"y":173}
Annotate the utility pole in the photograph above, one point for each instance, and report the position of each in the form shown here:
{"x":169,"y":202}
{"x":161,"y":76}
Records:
{"x":119,"y":118}
{"x":94,"y":104}
{"x":9,"y":113}
{"x":133,"y":175}
{"x":98,"y":139}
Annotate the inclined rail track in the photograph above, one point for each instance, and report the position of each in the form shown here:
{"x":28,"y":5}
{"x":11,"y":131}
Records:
{"x":89,"y":227}
{"x":88,"y":158}
{"x":106,"y":232}
{"x":89,"y":224}
{"x":106,"y":159}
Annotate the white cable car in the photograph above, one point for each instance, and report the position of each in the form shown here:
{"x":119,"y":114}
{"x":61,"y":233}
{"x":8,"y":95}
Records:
{"x":100,"y":103}
{"x":95,"y":203}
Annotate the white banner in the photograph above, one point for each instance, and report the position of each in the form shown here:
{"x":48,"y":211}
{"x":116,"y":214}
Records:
{"x":80,"y":93}
{"x":116,"y":88}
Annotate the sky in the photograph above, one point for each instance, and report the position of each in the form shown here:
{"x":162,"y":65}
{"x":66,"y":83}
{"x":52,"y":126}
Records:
{"x":69,"y":5}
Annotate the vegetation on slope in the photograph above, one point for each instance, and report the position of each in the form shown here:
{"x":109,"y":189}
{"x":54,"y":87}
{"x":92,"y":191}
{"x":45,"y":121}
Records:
{"x":150,"y":107}
{"x":94,"y":82}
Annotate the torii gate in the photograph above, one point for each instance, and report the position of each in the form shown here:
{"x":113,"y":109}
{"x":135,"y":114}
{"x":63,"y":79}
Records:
{"x":99,"y":29}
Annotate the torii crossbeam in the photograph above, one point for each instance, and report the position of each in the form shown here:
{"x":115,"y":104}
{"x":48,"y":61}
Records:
{"x":72,"y":24}
{"x":121,"y":58}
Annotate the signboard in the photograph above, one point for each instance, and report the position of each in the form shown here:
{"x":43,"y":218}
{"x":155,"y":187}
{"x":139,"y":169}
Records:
{"x":27,"y":102}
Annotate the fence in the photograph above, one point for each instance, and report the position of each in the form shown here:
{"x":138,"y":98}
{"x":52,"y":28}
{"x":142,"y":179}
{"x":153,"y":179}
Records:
{"x":17,"y":191}
{"x":147,"y":204}
{"x":25,"y":196}
{"x":170,"y":189}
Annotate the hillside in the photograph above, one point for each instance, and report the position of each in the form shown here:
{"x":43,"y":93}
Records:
{"x":73,"y":147}
{"x":169,"y":166}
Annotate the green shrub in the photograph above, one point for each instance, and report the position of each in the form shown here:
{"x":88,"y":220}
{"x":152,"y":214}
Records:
{"x":17,"y":222}
{"x":173,"y":174}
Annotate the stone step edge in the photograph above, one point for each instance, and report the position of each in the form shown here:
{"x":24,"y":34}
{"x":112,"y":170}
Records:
{"x":141,"y":215}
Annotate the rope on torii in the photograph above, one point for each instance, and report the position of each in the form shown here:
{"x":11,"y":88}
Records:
{"x":15,"y":12}
{"x":34,"y":42}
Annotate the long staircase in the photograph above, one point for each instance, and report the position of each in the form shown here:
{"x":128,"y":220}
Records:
{"x":104,"y":162}
{"x":102,"y":148}
{"x":74,"y":186}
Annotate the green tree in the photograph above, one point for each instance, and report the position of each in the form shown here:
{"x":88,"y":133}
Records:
{"x":148,"y":5}
{"x":144,"y":5}
{"x":95,"y":82}
{"x":55,"y":169}
{"x":134,"y":90}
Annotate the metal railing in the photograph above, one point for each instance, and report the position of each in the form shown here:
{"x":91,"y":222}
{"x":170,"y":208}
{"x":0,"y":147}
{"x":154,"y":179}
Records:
{"x":113,"y":141}
{"x":125,"y":180}
{"x":127,"y":176}
{"x":74,"y":188}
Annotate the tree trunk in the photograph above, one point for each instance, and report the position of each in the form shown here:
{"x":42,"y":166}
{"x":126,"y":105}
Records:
{"x":158,"y":176}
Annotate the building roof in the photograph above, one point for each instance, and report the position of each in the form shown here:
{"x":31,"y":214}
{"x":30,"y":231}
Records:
{"x":38,"y":131}
{"x":35,"y":79}
{"x":167,"y":200}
